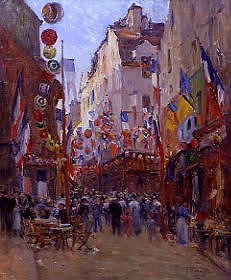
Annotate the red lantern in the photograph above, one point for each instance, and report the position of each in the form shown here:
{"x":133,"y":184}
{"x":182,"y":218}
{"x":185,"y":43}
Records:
{"x":49,"y":37}
{"x":87,"y":150}
{"x":87,"y":133}
{"x":39,"y":116}
{"x":79,"y":145}
{"x":194,"y":143}
{"x":43,"y":134}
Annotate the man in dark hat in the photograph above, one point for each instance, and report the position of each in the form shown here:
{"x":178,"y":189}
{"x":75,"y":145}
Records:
{"x":116,"y":212}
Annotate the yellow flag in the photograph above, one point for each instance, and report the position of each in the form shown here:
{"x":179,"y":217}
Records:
{"x":184,"y":109}
{"x":171,"y":121}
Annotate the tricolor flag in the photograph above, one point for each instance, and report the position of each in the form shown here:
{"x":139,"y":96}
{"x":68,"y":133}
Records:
{"x":18,"y":109}
{"x":213,"y":78}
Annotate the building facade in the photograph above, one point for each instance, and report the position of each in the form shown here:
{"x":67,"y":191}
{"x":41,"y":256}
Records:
{"x":117,"y":94}
{"x":28,"y":128}
{"x":195,"y":101}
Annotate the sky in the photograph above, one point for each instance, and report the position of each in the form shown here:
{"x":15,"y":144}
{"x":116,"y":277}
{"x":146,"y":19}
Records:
{"x":84,"y":24}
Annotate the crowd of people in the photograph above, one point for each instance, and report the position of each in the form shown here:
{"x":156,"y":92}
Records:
{"x":127,"y":214}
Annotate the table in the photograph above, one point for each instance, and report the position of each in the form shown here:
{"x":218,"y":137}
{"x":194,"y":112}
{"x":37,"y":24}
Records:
{"x":61,"y":235}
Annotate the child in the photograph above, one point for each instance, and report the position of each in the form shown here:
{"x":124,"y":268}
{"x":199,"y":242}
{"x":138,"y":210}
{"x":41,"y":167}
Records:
{"x":150,"y":224}
{"x":126,"y":218}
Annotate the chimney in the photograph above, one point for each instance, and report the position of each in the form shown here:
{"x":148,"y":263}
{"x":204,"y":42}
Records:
{"x":134,"y":18}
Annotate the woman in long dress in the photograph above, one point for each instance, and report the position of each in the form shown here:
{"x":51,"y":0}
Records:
{"x":182,"y":228}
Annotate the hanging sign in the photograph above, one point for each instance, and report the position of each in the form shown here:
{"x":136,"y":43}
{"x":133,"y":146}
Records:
{"x":49,"y":37}
{"x":52,"y":12}
{"x":49,"y":52}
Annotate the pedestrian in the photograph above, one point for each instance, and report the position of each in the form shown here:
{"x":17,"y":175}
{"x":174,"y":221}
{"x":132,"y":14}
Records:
{"x":83,"y":212}
{"x":127,"y":226}
{"x":116,"y":212}
{"x":62,"y":215}
{"x":106,"y":212}
{"x":134,"y":208}
{"x":182,"y":229}
{"x":96,"y":214}
{"x":150,"y":226}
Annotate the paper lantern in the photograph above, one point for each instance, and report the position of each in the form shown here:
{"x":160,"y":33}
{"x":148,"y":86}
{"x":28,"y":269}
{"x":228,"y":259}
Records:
{"x":49,"y":37}
{"x":49,"y":52}
{"x":39,"y":116}
{"x":93,"y":143}
{"x":97,"y":122}
{"x":79,"y":145}
{"x":52,"y":12}
{"x":111,"y":136}
{"x":41,"y":125}
{"x":40,"y":103}
{"x":53,"y":66}
{"x":50,"y":145}
{"x":87,"y":150}
{"x":194,"y":143}
{"x":87,"y":133}
{"x":44,"y":134}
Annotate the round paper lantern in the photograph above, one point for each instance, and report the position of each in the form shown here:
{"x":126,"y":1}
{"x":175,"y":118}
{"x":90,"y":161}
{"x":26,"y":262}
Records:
{"x":53,"y":66}
{"x":43,"y":134}
{"x":79,"y":145}
{"x":87,"y":133}
{"x":111,"y":136}
{"x":52,"y":12}
{"x":49,"y":52}
{"x":194,"y":143}
{"x":49,"y":37}
{"x":97,"y":122}
{"x":40,"y":103}
{"x":39,"y":116}
{"x":41,"y":125}
{"x":50,"y":145}
{"x":87,"y":150}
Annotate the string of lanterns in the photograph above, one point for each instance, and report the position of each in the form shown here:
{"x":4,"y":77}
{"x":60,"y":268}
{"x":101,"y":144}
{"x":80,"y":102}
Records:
{"x":52,"y":13}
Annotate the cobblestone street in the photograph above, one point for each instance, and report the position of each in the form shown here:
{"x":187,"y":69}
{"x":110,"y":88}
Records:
{"x":132,"y":259}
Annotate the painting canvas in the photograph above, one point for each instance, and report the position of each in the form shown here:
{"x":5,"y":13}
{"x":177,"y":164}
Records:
{"x":115,"y":128}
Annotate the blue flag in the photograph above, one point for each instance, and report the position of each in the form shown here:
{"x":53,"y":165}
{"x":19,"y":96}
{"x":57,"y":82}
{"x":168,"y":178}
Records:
{"x":184,"y":83}
{"x":124,"y":116}
{"x":154,"y":65}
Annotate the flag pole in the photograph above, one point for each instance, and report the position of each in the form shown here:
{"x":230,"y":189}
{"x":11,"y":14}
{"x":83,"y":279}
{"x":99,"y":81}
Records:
{"x":64,"y":140}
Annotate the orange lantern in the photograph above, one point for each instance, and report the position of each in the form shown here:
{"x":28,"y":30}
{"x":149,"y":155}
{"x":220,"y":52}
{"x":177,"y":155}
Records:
{"x":111,"y":136}
{"x":97,"y":122}
{"x":87,"y":150}
{"x":79,"y":145}
{"x":87,"y":133}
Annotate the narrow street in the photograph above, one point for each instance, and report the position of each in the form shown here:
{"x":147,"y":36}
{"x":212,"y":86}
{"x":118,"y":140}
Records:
{"x":129,"y":259}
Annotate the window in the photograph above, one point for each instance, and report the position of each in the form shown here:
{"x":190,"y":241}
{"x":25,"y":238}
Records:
{"x":146,"y":102}
{"x":195,"y":121}
{"x":189,"y":125}
{"x":172,"y":20}
{"x":92,"y":97}
{"x":169,"y":62}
